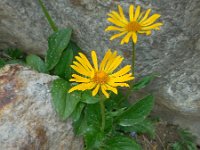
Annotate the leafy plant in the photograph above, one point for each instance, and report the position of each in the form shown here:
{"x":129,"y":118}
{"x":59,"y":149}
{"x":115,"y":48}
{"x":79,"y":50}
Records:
{"x":186,"y":142}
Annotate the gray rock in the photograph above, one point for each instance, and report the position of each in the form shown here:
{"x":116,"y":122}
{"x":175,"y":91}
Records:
{"x":27,"y":119}
{"x":173,"y":52}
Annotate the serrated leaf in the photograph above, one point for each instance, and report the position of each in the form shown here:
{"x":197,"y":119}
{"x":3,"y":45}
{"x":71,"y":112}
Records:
{"x":57,"y":42}
{"x":137,"y":112}
{"x":120,"y":142}
{"x":36,"y":63}
{"x":143,"y":82}
{"x":88,"y":98}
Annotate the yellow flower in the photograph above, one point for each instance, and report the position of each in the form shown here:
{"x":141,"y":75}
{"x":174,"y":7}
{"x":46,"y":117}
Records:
{"x":139,"y":22}
{"x":100,"y":77}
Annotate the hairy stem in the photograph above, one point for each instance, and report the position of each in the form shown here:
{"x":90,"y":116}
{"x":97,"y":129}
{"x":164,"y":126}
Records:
{"x":49,"y":19}
{"x":133,"y":58}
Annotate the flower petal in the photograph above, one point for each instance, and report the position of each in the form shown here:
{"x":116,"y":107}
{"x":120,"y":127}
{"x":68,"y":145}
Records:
{"x":94,"y":59}
{"x":146,"y":15}
{"x":81,"y":70}
{"x":115,"y":63}
{"x":121,"y":12}
{"x":122,"y":71}
{"x":114,"y":28}
{"x":131,"y":13}
{"x":105,"y":59}
{"x":116,"y":22}
{"x":117,"y":35}
{"x":110,"y":88}
{"x":137,"y":13}
{"x":134,"y":37}
{"x":86,"y":61}
{"x":83,"y":87}
{"x":150,"y":20}
{"x":126,"y":38}
{"x":154,"y":26}
{"x":78,"y":78}
{"x":96,"y":89}
{"x":103,"y":89}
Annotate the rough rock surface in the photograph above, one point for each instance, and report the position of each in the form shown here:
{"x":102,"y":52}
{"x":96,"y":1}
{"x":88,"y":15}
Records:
{"x":173,"y":52}
{"x":27,"y":119}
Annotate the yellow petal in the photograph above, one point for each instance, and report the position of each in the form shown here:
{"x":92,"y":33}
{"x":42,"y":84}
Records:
{"x":114,"y":28}
{"x":110,"y":88}
{"x":96,"y":89}
{"x":145,"y":32}
{"x":116,"y":62}
{"x":150,"y":20}
{"x":116,"y":22}
{"x":122,"y":71}
{"x":94,"y":59}
{"x":121,"y":12}
{"x":103,"y":89}
{"x":110,"y":60}
{"x":154,"y":26}
{"x":82,"y":87}
{"x":81,"y":70}
{"x":78,"y":78}
{"x":117,"y":16}
{"x":117,"y":35}
{"x":134,"y":37}
{"x":140,"y":16}
{"x":113,"y":84}
{"x":137,"y":13}
{"x":123,"y":78}
{"x":81,"y":66}
{"x":126,"y":38}
{"x":86,"y":61}
{"x":105,"y":59}
{"x":146,"y":15}
{"x":131,"y":13}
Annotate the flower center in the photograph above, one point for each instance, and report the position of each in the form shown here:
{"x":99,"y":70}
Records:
{"x":133,"y":26}
{"x":100,"y":77}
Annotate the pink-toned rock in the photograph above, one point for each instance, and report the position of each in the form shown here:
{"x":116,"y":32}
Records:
{"x":27,"y":119}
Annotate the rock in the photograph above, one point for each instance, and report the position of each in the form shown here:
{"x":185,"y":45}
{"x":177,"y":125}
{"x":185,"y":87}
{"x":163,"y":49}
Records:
{"x":173,"y":52}
{"x":27,"y":119}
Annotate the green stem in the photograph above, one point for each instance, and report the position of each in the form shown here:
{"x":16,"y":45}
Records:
{"x":133,"y":58}
{"x":49,"y":19}
{"x":102,"y":106}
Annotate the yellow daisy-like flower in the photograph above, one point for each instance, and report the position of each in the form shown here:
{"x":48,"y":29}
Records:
{"x":100,"y":77}
{"x":139,"y":22}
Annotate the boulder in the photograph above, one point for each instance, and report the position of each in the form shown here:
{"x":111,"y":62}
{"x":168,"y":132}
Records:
{"x":173,"y":52}
{"x":27,"y":119}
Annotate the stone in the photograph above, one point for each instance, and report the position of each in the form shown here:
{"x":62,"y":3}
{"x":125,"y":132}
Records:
{"x":173,"y":52}
{"x":27,"y":119}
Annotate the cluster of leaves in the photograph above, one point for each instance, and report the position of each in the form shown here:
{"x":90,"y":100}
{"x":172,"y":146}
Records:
{"x":186,"y":142}
{"x":11,"y":56}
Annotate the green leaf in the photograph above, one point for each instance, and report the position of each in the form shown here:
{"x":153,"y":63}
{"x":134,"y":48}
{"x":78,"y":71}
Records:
{"x":137,"y":112}
{"x":77,"y":111}
{"x":16,"y":61}
{"x":72,"y":99}
{"x":64,"y":102}
{"x":120,"y":142}
{"x":143,"y":82}
{"x":88,"y":98}
{"x":36,"y":63}
{"x":93,"y":138}
{"x":59,"y":92}
{"x":57,"y":42}
{"x":14,"y":53}
{"x":2,"y":63}
{"x":145,"y":126}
